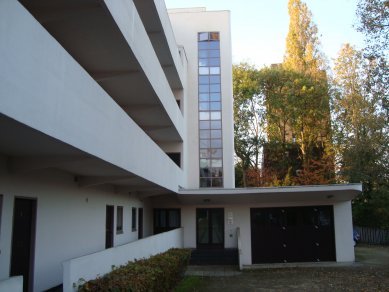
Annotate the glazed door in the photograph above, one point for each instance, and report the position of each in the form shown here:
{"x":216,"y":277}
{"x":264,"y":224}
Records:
{"x":210,"y":228}
{"x":23,"y":241}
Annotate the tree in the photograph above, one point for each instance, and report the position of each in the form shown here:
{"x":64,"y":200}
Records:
{"x":302,"y":43}
{"x":248,"y":118}
{"x":361,"y":134}
{"x":297,"y":113}
{"x":373,"y":16}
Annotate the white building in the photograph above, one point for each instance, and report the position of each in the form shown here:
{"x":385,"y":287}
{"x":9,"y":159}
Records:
{"x":116,"y":124}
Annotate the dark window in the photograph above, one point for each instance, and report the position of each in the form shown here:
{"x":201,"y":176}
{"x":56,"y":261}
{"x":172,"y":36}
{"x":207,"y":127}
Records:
{"x":1,"y":210}
{"x":166,"y":219}
{"x":176,"y":157}
{"x":119,"y":219}
{"x":133,"y":219}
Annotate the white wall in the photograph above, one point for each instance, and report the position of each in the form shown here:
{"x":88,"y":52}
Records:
{"x":186,"y":24}
{"x":241,"y":218}
{"x":344,"y":243}
{"x":14,"y":284}
{"x":53,"y":94}
{"x":91,"y":266}
{"x":70,"y":221}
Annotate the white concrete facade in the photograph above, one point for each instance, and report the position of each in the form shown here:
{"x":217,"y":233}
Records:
{"x":187,"y":23}
{"x":88,"y":113}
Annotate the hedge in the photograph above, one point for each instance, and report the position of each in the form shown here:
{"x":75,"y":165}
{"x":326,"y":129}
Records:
{"x":157,"y":273}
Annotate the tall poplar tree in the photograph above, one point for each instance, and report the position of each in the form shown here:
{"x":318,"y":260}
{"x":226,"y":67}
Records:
{"x":302,"y":43}
{"x":309,"y":120}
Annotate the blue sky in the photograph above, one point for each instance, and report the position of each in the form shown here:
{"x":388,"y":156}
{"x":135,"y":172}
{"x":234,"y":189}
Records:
{"x":259,"y":27}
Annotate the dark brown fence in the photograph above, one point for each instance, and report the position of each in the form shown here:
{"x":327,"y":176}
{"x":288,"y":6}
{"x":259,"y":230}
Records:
{"x":373,"y":235}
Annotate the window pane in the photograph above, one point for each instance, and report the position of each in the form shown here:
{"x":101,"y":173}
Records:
{"x":214,"y":70}
{"x":216,"y":124}
{"x":205,"y":163}
{"x":214,"y":116}
{"x":174,"y":218}
{"x":205,"y":182}
{"x":204,"y":115}
{"x":204,"y":70}
{"x":216,"y":163}
{"x":204,"y":134}
{"x":203,"y":88}
{"x":214,"y":36}
{"x":204,"y":62}
{"x":216,"y":134}
{"x":213,"y":45}
{"x":214,"y":87}
{"x":204,"y":125}
{"x":203,"y":80}
{"x":217,"y":172}
{"x":205,"y":143}
{"x":217,"y":182}
{"x":204,"y":96}
{"x":133,"y":223}
{"x":203,"y":45}
{"x":203,"y":54}
{"x":205,"y":172}
{"x":214,"y":53}
{"x":204,"y":153}
{"x":215,"y":79}
{"x":203,"y":36}
{"x":216,"y":153}
{"x":215,"y":106}
{"x":217,"y":143}
{"x":213,"y":62}
{"x":119,"y":219}
{"x":215,"y":96}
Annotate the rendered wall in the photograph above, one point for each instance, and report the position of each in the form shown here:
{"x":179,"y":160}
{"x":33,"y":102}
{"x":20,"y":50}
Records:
{"x":186,"y":24}
{"x":53,"y":94}
{"x":241,"y":218}
{"x":344,"y":243}
{"x":70,"y":221}
{"x":91,"y":266}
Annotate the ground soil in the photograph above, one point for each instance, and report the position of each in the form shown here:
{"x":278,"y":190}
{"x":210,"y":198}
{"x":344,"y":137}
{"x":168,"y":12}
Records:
{"x":369,"y":273}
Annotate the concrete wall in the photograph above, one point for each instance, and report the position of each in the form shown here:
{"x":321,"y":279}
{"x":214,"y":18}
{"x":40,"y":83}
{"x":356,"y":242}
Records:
{"x":70,"y":221}
{"x":97,"y":264}
{"x":344,"y":243}
{"x":14,"y":284}
{"x":53,"y":94}
{"x":186,"y":24}
{"x":241,"y":218}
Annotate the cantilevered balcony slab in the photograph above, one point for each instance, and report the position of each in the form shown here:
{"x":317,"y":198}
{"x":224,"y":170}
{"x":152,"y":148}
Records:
{"x":108,"y":39}
{"x":54,"y":114}
{"x":157,"y":24}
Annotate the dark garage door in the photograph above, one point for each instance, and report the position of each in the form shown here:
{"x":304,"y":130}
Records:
{"x":293,"y":234}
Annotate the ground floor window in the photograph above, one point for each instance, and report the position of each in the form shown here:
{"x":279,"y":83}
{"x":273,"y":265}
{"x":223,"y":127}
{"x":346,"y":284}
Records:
{"x":166,"y":219}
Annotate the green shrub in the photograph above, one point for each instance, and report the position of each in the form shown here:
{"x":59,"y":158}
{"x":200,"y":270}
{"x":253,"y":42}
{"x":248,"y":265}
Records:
{"x":157,"y":273}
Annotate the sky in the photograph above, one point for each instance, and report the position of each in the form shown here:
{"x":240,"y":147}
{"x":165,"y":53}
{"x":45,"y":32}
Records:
{"x":259,"y":27}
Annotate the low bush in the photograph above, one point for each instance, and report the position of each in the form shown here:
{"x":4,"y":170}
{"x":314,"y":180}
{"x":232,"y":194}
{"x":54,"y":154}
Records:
{"x":157,"y":273}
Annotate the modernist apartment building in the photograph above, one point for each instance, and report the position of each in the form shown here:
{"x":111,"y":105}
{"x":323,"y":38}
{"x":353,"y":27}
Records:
{"x":116,"y":142}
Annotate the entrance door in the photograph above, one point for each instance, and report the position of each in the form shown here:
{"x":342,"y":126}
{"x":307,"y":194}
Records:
{"x":140,"y":223}
{"x":210,"y":228}
{"x":109,"y":226}
{"x":23,"y":241}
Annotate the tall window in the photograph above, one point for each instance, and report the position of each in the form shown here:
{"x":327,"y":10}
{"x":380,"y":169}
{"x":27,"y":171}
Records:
{"x":210,"y":110}
{"x":119,"y":219}
{"x":133,"y":219}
